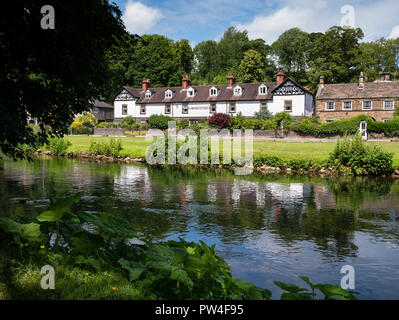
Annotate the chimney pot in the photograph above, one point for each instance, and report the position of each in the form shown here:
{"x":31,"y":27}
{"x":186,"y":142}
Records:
{"x":146,"y":84}
{"x":385,"y":76}
{"x":280,"y":77}
{"x":361,"y":80}
{"x":230,"y":80}
{"x":185,"y":82}
{"x":321,"y":80}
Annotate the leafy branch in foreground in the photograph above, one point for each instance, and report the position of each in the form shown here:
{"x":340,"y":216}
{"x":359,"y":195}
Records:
{"x":107,"y":244}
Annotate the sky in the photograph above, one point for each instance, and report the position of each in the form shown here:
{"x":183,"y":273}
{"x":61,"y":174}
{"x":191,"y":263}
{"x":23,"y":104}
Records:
{"x":202,"y":20}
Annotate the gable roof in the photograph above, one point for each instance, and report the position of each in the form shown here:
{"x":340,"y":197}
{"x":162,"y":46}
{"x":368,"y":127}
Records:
{"x":294,"y":82}
{"x":378,"y":89}
{"x":249,"y":93}
{"x":101,"y":104}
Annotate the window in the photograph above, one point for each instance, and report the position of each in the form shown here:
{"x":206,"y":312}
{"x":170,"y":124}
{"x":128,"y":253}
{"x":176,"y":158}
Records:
{"x":329,"y":120}
{"x":263,"y":106}
{"x":124,"y":109}
{"x":168,"y":108}
{"x":213,"y":92}
{"x":347,"y":105}
{"x":330,"y":105}
{"x":185,"y":108}
{"x":288,"y":105}
{"x":262,"y":90}
{"x":168,"y":94}
{"x":389,"y":104}
{"x":148,"y":94}
{"x":142,"y":109}
{"x":367,"y":105}
{"x":232,"y":107}
{"x":238,"y":91}
{"x":190,"y":92}
{"x":143,"y":122}
{"x":192,"y":121}
{"x":212,"y":108}
{"x":386,"y":120}
{"x":95,"y":110}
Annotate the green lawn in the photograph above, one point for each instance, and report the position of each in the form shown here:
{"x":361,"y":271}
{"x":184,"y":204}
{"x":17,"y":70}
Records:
{"x":136,"y":147}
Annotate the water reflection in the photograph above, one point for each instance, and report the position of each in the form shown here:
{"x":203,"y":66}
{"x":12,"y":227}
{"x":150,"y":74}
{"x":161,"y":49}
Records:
{"x":267,"y":227}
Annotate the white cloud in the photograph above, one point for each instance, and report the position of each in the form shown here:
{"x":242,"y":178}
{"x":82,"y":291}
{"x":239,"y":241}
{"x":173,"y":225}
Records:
{"x":395,"y":33}
{"x":375,"y":18}
{"x":140,"y":19}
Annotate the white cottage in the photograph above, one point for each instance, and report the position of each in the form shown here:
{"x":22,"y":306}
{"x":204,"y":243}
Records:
{"x":196,"y":103}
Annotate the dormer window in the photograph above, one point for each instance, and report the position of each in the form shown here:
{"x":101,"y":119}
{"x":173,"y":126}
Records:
{"x":213,"y":92}
{"x":238,"y":91}
{"x":190,"y":92}
{"x":168,"y":94}
{"x":148,"y":94}
{"x":262,"y":90}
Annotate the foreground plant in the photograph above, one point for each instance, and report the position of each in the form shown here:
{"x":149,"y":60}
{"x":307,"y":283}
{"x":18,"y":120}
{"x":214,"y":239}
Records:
{"x":95,"y":257}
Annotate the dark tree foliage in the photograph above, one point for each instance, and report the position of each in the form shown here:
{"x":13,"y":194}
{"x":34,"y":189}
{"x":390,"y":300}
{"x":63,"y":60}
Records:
{"x":219,"y":120}
{"x":51,"y":74}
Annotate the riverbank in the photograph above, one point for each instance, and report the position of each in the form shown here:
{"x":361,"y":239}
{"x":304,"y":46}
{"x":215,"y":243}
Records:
{"x":363,"y":159}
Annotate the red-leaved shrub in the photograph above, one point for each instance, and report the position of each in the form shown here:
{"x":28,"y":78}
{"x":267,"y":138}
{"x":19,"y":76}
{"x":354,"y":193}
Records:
{"x":220,"y":120}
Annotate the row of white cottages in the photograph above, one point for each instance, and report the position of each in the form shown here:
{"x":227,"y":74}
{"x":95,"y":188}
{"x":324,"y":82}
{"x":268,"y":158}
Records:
{"x":196,"y":103}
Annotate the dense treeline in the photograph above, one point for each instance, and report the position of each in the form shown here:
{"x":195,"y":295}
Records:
{"x":338,"y":54}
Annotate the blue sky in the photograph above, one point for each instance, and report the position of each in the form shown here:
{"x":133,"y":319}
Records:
{"x":267,"y":19}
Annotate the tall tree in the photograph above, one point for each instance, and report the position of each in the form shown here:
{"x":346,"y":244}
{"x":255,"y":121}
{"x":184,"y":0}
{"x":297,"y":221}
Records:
{"x":336,"y":55}
{"x":185,"y":56}
{"x":51,"y":74}
{"x":251,"y":68}
{"x":291,"y":48}
{"x":207,"y":61}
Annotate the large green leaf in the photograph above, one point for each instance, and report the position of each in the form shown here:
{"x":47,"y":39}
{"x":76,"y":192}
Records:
{"x":109,"y":225}
{"x":58,"y":208}
{"x":10,"y":226}
{"x":31,"y":232}
{"x":289,"y":287}
{"x":85,"y":242}
{"x":181,"y":276}
{"x":135,"y":269}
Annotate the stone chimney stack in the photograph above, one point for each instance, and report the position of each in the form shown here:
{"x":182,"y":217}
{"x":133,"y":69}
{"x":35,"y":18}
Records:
{"x":280,"y":77}
{"x":321,"y":81}
{"x":146,"y":84}
{"x":385,"y":76}
{"x":230,"y":80}
{"x":185,"y":82}
{"x":361,"y":80}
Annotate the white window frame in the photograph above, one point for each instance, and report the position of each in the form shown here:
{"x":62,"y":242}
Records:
{"x":148,"y":94}
{"x":190,"y":92}
{"x":333,"y":102}
{"x":210,"y":108}
{"x":182,"y":108}
{"x":261,"y":87}
{"x":168,"y":94}
{"x":170,"y":108}
{"x":261,"y":106}
{"x":235,"y":107}
{"x":343,"y":105}
{"x":124,"y":113}
{"x":391,"y":108}
{"x":213,"y":92}
{"x":237,"y":91}
{"x":143,"y":106}
{"x":371,"y":104}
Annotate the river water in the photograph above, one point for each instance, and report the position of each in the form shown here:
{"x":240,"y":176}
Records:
{"x":272,"y":227}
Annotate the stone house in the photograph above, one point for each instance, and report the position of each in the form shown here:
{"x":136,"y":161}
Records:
{"x":340,"y":101}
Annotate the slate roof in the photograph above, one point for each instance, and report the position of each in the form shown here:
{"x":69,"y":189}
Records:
{"x":102,"y":104}
{"x":372,"y":90}
{"x":249,"y":93}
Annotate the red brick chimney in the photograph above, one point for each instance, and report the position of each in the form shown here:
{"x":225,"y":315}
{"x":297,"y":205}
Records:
{"x":146,"y":84}
{"x":185,"y":82}
{"x":280,"y":77}
{"x":230,"y":80}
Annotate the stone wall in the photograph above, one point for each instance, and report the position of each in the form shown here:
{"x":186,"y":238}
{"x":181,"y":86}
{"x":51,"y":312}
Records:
{"x":109,"y":131}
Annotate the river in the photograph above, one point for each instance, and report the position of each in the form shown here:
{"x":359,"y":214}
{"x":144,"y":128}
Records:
{"x":272,"y":227}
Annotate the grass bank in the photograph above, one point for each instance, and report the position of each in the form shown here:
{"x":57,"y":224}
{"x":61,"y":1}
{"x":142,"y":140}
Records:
{"x":318,"y":151}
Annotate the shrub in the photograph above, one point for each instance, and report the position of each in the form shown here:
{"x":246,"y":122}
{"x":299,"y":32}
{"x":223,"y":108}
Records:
{"x":240,"y":122}
{"x":356,"y":157}
{"x":219,"y":120}
{"x":77,"y":126}
{"x":159,"y":121}
{"x":113,"y":148}
{"x":263,"y":115}
{"x":87,"y":120}
{"x":58,"y":146}
{"x":285,"y":118}
{"x":127,"y":122}
{"x":183,"y":124}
